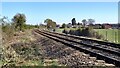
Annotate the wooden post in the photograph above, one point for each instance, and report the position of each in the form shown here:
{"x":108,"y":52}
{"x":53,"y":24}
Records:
{"x":115,"y":37}
{"x":106,"y":35}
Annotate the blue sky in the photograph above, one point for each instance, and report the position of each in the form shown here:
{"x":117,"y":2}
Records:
{"x":60,"y":0}
{"x":63,"y":12}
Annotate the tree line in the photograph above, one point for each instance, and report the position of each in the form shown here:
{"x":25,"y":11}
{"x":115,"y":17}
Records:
{"x":19,"y":22}
{"x":85,"y":22}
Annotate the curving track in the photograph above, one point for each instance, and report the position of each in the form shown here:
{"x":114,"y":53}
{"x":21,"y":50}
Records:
{"x":110,"y":53}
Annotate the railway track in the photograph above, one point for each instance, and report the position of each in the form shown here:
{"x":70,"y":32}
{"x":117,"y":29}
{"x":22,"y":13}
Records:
{"x":110,"y":54}
{"x":91,"y":40}
{"x":110,"y":48}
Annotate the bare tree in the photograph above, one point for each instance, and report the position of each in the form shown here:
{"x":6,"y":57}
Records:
{"x":91,"y":21}
{"x":84,"y":22}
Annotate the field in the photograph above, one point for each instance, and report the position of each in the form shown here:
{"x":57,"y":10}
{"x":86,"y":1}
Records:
{"x":112,"y":35}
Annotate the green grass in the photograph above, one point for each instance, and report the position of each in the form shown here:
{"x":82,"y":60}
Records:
{"x":59,"y":30}
{"x":110,"y":34}
{"x":1,"y":63}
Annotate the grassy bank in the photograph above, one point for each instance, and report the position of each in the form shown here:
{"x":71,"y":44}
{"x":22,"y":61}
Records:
{"x":112,"y":35}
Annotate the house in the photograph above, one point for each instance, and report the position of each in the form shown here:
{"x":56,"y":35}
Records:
{"x":106,"y":26}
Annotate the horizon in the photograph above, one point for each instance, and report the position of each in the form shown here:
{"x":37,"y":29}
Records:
{"x":63,"y":12}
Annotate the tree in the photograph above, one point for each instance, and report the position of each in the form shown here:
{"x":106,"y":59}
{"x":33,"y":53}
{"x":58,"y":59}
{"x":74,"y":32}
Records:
{"x":73,"y":21}
{"x":69,"y":25}
{"x":91,"y":21}
{"x":84,"y":22}
{"x":50,"y":23}
{"x":7,"y":29}
{"x":63,"y":25}
{"x":78,"y":23}
{"x":19,"y":20}
{"x":53,"y":24}
{"x":36,"y":26}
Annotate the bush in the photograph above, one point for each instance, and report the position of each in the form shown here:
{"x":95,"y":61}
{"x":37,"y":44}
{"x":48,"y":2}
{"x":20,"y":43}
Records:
{"x":78,"y":32}
{"x":65,"y":31}
{"x":63,"y":25}
{"x":72,"y":32}
{"x":98,"y":36}
{"x":7,"y":32}
{"x":87,"y":32}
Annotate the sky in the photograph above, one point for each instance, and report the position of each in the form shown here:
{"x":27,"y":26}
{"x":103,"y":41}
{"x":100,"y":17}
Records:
{"x":62,"y":12}
{"x":60,"y":0}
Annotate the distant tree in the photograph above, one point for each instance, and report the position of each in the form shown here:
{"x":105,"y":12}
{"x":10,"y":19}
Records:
{"x":50,"y":23}
{"x":63,"y":25}
{"x":19,"y":20}
{"x":91,"y":21}
{"x":69,"y":25}
{"x":53,"y":24}
{"x":84,"y":22}
{"x":78,"y":23}
{"x":73,"y":21}
{"x":36,"y":26}
{"x":2,"y":20}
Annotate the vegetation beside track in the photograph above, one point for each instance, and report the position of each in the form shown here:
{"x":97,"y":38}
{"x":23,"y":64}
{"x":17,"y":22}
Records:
{"x":112,"y":35}
{"x":23,"y":50}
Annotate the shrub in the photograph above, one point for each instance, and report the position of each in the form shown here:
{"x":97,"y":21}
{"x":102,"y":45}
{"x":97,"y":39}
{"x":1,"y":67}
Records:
{"x":63,"y":25}
{"x":87,"y":32}
{"x":78,"y":32}
{"x":72,"y":32}
{"x":65,"y":31}
{"x":98,"y":36}
{"x":7,"y":32}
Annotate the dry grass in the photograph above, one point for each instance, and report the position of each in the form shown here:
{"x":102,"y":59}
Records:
{"x":9,"y":54}
{"x":22,"y":50}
